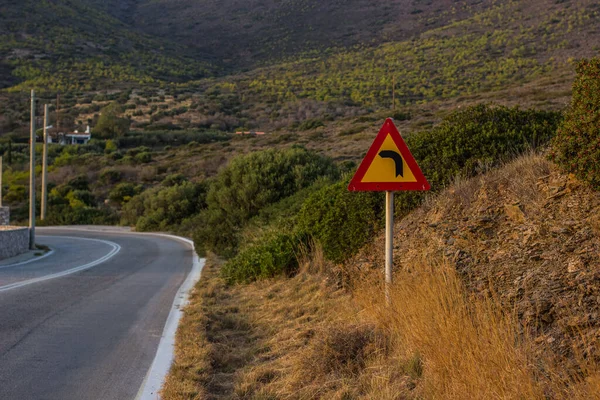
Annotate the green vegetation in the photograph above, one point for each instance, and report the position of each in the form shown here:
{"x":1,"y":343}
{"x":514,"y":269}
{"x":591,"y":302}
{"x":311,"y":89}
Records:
{"x":465,"y":143}
{"x":577,"y":144}
{"x":165,"y":208}
{"x":111,"y":124}
{"x":479,"y":137}
{"x":74,"y":204}
{"x":341,"y":221}
{"x":272,"y":256}
{"x":250,"y":183}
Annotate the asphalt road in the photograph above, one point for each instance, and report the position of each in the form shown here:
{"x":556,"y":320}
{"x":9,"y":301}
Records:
{"x":92,"y":330}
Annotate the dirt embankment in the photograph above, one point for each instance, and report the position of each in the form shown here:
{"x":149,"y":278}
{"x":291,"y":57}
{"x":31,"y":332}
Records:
{"x":527,"y":234}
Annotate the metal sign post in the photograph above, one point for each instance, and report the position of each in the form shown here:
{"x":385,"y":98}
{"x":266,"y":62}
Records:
{"x":0,"y":181}
{"x":32,"y":175}
{"x":388,"y":166}
{"x":389,"y":242}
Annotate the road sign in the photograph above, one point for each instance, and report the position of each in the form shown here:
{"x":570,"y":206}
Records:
{"x":388,"y":165}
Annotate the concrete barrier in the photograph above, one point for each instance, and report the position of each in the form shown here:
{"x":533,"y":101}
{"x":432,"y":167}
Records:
{"x":14,"y":240}
{"x":4,"y":216}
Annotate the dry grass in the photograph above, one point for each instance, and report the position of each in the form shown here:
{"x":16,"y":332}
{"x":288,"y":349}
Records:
{"x":469,"y":348}
{"x":302,"y":339}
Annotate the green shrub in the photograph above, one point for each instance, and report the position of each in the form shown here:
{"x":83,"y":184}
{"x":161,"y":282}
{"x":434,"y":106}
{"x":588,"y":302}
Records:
{"x":576,"y":146}
{"x":15,"y":194}
{"x":341,"y":221}
{"x":173,"y":180}
{"x":165,"y":208}
{"x":479,"y":136}
{"x":111,"y":124}
{"x":110,"y":176}
{"x":80,"y":182}
{"x":80,"y":199}
{"x":143,"y":158}
{"x":123,"y":192}
{"x":65,"y":215}
{"x":310,"y":124}
{"x":110,"y":147}
{"x":273,"y":255}
{"x":250,"y":183}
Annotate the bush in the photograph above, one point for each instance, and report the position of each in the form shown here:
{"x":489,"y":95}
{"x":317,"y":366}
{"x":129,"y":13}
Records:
{"x":341,"y":221}
{"x":111,"y":124}
{"x":81,"y":198}
{"x":110,"y":147}
{"x":310,"y":124}
{"x":165,"y":208}
{"x":274,"y":255}
{"x":110,"y":176}
{"x":576,"y":146}
{"x":80,"y":182}
{"x":65,"y":215}
{"x":479,"y":136}
{"x":173,"y":180}
{"x":143,"y":158}
{"x":123,"y":192}
{"x":250,"y":183}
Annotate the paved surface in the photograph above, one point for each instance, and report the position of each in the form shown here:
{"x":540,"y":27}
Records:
{"x":92,"y":333}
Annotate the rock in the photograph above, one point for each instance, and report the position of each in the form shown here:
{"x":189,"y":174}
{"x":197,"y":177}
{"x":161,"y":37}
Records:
{"x":574,"y":265}
{"x":514,"y":212}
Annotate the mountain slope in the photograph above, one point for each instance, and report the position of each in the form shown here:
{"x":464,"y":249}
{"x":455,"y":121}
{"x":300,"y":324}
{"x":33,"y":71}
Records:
{"x":70,"y":44}
{"x":246,"y":32}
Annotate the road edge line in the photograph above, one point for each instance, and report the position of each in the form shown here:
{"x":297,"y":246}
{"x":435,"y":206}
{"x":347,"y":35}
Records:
{"x":165,"y":353}
{"x":116,"y":249}
{"x":48,"y":254}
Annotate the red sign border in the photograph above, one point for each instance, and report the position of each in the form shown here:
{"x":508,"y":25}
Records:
{"x":357,"y":186}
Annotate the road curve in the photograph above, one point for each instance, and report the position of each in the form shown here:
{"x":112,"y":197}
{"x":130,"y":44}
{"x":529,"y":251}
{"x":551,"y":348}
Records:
{"x":73,"y":328}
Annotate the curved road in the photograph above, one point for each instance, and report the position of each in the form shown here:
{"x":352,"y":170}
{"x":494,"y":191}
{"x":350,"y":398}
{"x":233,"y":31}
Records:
{"x":86,"y":321}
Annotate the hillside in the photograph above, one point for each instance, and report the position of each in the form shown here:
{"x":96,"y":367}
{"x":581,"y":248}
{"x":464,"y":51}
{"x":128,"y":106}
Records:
{"x":245,"y":33}
{"x":495,"y":297}
{"x":512,"y":53}
{"x":74,"y":45}
{"x":526,"y":234}
{"x":331,"y":45}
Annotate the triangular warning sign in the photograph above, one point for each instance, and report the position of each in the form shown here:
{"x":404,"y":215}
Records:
{"x":388,"y":165}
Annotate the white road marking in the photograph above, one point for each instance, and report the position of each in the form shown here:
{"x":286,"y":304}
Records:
{"x":166,"y":348}
{"x":115,"y":249}
{"x":48,"y":254}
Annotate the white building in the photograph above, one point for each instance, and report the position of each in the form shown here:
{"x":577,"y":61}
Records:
{"x":70,"y":138}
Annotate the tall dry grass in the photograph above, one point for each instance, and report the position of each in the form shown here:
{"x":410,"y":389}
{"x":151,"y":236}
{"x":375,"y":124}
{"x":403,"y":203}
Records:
{"x":468,"y":346}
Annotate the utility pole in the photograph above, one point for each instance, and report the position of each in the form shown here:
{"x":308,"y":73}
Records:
{"x":394,"y":92}
{"x":45,"y":165}
{"x":57,"y":114}
{"x":32,"y":175}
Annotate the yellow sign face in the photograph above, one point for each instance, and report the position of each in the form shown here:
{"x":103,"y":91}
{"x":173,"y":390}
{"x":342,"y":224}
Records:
{"x":386,"y":165}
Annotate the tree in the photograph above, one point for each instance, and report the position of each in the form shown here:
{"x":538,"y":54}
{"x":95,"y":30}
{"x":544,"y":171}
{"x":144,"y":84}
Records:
{"x":576,"y":146}
{"x":110,"y":123}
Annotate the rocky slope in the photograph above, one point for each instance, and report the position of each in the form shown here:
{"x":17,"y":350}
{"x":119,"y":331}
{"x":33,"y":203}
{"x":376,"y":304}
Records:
{"x":526,"y":234}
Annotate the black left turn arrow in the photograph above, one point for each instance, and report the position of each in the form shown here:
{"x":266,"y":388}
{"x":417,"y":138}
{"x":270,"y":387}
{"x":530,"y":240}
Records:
{"x":397,"y":159}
